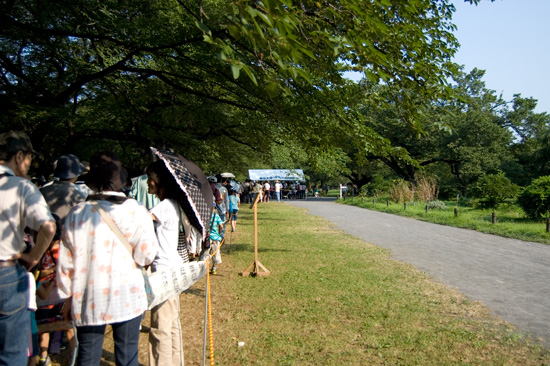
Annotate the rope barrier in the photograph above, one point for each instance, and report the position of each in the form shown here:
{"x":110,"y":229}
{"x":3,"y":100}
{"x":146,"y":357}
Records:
{"x":205,"y":313}
{"x":210,"y":323}
{"x":208,"y":312}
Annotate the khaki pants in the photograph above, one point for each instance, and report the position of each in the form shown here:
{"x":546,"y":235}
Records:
{"x":165,"y":343}
{"x":217,"y":258}
{"x":214,"y":245}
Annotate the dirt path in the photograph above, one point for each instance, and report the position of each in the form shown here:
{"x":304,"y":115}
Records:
{"x":511,"y":277}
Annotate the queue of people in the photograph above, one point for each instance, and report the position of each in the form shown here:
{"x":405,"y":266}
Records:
{"x":273,"y":190}
{"x":57,"y":245}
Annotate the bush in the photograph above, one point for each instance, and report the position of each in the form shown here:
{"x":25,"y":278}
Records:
{"x":379,"y":186}
{"x":535,"y":198}
{"x":496,"y":189}
{"x":436,"y":205}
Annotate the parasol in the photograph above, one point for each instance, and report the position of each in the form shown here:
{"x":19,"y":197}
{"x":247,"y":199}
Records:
{"x":193,"y":182}
{"x":227,"y":175}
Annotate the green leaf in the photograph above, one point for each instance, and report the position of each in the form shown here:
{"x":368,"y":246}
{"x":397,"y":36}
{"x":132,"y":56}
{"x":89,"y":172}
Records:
{"x":236,"y":69}
{"x":250,"y":74}
{"x":203,"y":27}
{"x":272,"y":89}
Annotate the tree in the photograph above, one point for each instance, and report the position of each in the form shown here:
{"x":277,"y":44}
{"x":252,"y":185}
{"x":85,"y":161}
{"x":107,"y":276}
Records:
{"x":531,"y":131}
{"x":477,"y":144}
{"x":463,"y":132}
{"x":198,"y":74}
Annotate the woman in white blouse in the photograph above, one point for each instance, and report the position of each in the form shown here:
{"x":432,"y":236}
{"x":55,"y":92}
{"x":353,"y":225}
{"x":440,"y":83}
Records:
{"x":99,"y":272}
{"x":165,"y":339}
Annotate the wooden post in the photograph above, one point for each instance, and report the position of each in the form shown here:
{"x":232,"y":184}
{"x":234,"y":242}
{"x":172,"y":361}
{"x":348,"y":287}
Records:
{"x":387,"y":203}
{"x":427,"y":209}
{"x":373,"y":201}
{"x":456,"y":211}
{"x":494,"y":218}
{"x":404,"y":205}
{"x":548,"y":225}
{"x":253,"y":269}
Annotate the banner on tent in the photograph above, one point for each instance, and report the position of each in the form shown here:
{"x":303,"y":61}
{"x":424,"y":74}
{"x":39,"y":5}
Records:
{"x":276,"y":174}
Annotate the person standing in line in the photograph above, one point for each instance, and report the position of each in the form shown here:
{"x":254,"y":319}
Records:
{"x":257,"y":191}
{"x":140,"y":191}
{"x":246,"y":191}
{"x":234,"y":203}
{"x":224,"y":205}
{"x":165,"y":336}
{"x":97,"y":271}
{"x":21,"y":206}
{"x":267,"y":188}
{"x":278,"y":188}
{"x":60,"y":196}
{"x":216,"y":225}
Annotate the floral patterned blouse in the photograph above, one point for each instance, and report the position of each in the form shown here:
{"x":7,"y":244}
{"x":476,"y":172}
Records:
{"x":97,"y":270}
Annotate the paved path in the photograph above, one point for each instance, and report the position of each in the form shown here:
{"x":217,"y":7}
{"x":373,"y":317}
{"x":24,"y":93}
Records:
{"x":511,"y":277}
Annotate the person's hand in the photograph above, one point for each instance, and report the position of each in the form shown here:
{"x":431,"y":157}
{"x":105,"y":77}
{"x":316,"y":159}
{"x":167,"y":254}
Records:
{"x":27,"y":258}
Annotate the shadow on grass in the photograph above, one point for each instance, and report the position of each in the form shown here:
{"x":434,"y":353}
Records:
{"x":240,"y":247}
{"x":195,"y":292}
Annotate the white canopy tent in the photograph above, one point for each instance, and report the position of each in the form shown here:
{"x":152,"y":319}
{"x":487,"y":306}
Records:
{"x":276,"y":174}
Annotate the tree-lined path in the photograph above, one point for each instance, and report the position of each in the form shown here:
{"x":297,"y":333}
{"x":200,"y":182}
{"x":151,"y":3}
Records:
{"x":511,"y":277}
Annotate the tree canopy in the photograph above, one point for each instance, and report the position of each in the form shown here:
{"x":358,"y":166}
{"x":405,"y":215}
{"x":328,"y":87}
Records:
{"x":205,"y":77}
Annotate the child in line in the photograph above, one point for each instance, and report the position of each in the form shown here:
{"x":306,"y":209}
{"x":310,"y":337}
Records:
{"x":51,"y":342}
{"x":215,"y":238}
{"x":34,"y":347}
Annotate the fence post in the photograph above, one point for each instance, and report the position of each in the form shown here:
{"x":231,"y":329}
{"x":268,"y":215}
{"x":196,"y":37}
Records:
{"x":373,"y":201}
{"x":456,"y":211}
{"x":427,"y":209}
{"x":387,"y":203}
{"x":494,"y":218}
{"x":548,"y":225}
{"x":404,"y":205}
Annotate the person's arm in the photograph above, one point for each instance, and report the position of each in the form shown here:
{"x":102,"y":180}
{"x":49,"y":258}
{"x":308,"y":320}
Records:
{"x":43,"y":240}
{"x":47,"y":272}
{"x":44,"y":292}
{"x":67,"y":309}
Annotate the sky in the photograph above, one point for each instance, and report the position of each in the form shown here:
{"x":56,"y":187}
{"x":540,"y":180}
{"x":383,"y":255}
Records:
{"x":509,"y":39}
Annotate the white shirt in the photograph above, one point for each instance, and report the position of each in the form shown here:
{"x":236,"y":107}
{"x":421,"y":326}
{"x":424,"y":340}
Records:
{"x":225,"y":204}
{"x":278,"y":187}
{"x":21,"y":205}
{"x":97,"y":270}
{"x":167,"y":213}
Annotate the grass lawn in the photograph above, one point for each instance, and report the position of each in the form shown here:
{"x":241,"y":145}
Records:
{"x":510,"y":222}
{"x":332,"y":299}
